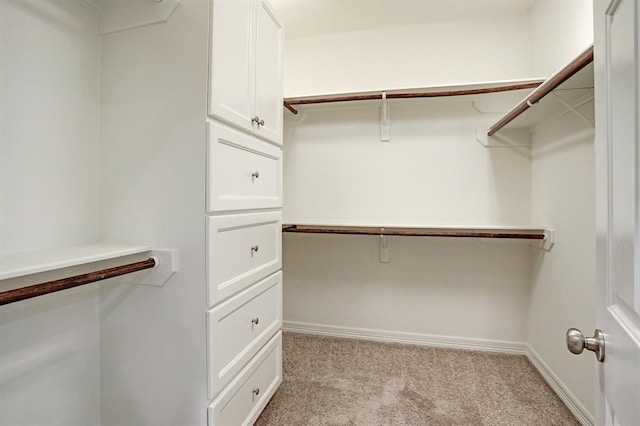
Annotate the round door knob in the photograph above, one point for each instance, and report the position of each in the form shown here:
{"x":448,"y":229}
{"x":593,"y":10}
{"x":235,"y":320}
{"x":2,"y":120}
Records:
{"x":256,"y":120}
{"x":255,"y":320}
{"x":255,"y":175}
{"x":254,"y":249}
{"x":261,"y":123}
{"x":576,"y":343}
{"x":256,"y":391}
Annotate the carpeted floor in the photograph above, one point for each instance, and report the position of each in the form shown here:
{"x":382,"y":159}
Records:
{"x":330,"y":381}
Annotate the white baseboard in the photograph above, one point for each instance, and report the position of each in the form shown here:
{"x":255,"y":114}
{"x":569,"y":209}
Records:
{"x":518,"y":348}
{"x":409,"y":338}
{"x":584,"y":417}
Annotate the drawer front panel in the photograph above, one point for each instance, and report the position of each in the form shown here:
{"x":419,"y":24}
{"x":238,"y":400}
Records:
{"x":239,"y":327}
{"x":243,"y":171}
{"x":244,"y":399}
{"x":242,"y":249}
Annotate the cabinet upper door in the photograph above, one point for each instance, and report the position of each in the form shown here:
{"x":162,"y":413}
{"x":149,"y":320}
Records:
{"x":231,"y":96}
{"x":268,"y":72}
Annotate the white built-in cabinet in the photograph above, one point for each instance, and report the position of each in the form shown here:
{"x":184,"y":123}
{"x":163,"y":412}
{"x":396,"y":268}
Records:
{"x":244,"y":211}
{"x":246,"y":67}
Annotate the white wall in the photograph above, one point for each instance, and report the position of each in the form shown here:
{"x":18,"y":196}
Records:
{"x":563,"y":280}
{"x":49,"y":371}
{"x":563,"y":198}
{"x":152,"y":175}
{"x":453,"y":52}
{"x":451,"y":290}
{"x":49,"y":104}
{"x":433,"y":171}
{"x":49,"y":100}
{"x":560,"y":31}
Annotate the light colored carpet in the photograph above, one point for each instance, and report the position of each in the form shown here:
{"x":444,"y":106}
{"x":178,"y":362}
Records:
{"x":330,"y":381}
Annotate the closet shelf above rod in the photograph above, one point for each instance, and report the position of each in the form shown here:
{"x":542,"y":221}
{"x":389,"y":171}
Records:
{"x":548,"y":86}
{"x":21,"y":263}
{"x":23,"y":293}
{"x":496,"y":232}
{"x":434,"y":92}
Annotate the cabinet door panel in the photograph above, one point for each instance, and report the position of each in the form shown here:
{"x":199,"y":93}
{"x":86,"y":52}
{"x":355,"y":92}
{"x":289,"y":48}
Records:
{"x":242,"y":249}
{"x":268,"y":91}
{"x":246,"y":396}
{"x":243,"y":171}
{"x":231,"y":68}
{"x":239,"y":327}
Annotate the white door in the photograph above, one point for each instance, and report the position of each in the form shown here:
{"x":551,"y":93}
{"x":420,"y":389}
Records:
{"x":618,"y":210}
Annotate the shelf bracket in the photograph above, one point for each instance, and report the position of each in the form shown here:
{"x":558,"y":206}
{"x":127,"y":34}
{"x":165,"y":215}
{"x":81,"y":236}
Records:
{"x":573,"y":110}
{"x":123,"y":15}
{"x":166,"y":267}
{"x":384,"y":247}
{"x":385,"y":120}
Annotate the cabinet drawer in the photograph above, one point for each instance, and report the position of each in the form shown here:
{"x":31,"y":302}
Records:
{"x":246,"y":396}
{"x":239,"y":327}
{"x":243,"y":171}
{"x":241,"y":250}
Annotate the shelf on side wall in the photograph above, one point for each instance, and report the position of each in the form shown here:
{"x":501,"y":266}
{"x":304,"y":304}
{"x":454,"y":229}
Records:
{"x":564,"y":92}
{"x":17,"y":264}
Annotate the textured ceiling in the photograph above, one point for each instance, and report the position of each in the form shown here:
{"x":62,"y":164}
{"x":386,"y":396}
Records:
{"x":304,"y":18}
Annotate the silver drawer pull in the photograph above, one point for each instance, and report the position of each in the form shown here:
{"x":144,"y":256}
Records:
{"x":255,"y":175}
{"x":256,"y":391}
{"x":255,"y":320}
{"x":254,"y":249}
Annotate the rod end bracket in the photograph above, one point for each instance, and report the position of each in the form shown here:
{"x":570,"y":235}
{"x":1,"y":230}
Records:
{"x":159,"y":275}
{"x":548,"y":241}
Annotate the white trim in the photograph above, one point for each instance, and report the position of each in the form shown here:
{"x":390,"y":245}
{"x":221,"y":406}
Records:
{"x":584,"y":417}
{"x":518,"y":348}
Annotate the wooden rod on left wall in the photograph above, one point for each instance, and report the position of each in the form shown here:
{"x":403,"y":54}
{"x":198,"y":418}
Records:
{"x":18,"y":294}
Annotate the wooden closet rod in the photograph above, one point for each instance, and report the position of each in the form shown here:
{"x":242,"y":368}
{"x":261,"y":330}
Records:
{"x":584,"y":59}
{"x":16,"y":295}
{"x":368,"y":97}
{"x":412,"y":233}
